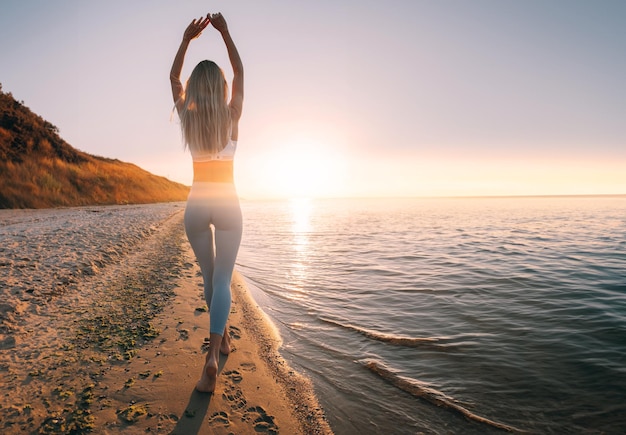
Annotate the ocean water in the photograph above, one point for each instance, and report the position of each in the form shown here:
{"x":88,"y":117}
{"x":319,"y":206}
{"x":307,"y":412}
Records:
{"x":449,"y":315}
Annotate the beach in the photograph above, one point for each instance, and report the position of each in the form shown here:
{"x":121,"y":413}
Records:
{"x":402,"y":316}
{"x":104,"y":329}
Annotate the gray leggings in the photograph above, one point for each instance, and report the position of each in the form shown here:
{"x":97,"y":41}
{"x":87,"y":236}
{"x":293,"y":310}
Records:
{"x":213,"y":227}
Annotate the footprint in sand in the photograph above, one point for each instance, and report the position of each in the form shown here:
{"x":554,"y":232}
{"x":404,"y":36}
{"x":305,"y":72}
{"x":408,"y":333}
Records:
{"x":183,"y":334}
{"x":234,"y":376}
{"x":234,"y":332}
{"x":260,"y":420}
{"x":234,"y":396}
{"x":206,"y":344}
{"x":248,"y":366}
{"x":219,"y":419}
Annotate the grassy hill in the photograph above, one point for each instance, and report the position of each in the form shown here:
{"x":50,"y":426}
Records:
{"x":38,"y":169}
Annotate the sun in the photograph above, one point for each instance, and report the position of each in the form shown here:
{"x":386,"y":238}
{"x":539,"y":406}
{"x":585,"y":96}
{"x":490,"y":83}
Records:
{"x":303,"y":169}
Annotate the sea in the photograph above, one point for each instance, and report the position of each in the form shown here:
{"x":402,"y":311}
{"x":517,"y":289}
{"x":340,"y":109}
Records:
{"x":449,"y":315}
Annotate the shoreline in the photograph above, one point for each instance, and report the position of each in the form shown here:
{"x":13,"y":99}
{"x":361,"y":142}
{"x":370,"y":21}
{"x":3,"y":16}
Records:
{"x":121,"y":350}
{"x":298,"y":388}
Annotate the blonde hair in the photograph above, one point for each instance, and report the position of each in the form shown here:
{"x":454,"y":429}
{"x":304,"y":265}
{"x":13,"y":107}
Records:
{"x":205,"y":116}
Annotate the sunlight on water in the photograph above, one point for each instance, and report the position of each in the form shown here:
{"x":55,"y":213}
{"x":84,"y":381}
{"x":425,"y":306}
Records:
{"x":300,"y":211}
{"x":301,"y":214}
{"x":516,"y":306}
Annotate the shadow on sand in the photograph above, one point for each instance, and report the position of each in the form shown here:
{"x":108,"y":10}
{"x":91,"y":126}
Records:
{"x":191,"y":421}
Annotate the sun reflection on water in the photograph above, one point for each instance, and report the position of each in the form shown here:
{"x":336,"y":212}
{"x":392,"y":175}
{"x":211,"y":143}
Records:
{"x":301,"y":214}
{"x":300,"y":230}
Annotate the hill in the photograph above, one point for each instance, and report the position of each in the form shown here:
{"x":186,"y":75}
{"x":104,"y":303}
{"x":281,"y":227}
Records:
{"x":38,"y":169}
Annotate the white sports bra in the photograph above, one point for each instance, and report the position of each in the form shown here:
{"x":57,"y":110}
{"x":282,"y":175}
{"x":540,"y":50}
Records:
{"x":227,"y":153}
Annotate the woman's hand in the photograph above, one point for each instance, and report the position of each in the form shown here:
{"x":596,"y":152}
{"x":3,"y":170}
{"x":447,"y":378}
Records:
{"x":195,"y":28}
{"x":219,"y":22}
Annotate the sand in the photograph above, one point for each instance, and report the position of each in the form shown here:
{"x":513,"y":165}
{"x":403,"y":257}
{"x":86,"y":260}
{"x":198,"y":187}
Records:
{"x":104,"y":329}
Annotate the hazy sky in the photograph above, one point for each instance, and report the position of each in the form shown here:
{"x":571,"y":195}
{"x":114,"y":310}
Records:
{"x":345,"y":97}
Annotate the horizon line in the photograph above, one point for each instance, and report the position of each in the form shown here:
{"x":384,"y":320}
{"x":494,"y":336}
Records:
{"x":574,"y":195}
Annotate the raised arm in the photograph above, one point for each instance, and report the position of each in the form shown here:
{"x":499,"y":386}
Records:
{"x":193,"y":31}
{"x":236,"y":100}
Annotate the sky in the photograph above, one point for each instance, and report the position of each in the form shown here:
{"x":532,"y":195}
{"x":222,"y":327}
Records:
{"x":344,"y":97}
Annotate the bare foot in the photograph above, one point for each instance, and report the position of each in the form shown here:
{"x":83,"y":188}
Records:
{"x":208,"y":380}
{"x":225,"y":345}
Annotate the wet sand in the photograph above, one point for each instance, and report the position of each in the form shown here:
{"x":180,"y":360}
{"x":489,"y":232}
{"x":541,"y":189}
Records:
{"x":104,"y":329}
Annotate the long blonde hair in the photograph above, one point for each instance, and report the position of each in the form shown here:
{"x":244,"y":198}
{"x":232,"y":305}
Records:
{"x":205,"y":116}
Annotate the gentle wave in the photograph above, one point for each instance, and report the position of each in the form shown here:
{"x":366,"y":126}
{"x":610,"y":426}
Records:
{"x":502,"y":301}
{"x":386,"y":338}
{"x":420,"y":389}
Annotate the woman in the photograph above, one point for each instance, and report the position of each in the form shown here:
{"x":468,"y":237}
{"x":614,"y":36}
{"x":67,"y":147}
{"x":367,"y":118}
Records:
{"x":209,"y":125}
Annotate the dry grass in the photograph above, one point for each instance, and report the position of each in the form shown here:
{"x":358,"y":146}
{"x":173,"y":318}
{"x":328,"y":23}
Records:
{"x":42,"y":182}
{"x":38,"y":169}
